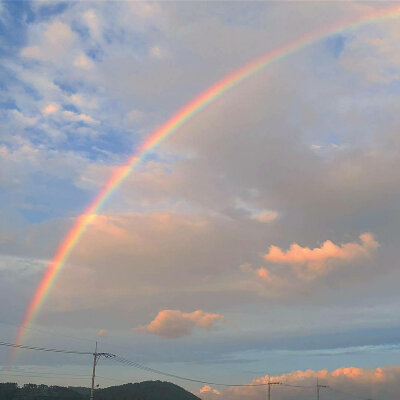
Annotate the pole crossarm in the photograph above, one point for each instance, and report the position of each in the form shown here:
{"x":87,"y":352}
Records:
{"x":105,"y":355}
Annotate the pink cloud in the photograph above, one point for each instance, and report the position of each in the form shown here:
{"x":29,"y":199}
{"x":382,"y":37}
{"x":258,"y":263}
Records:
{"x":173,"y":324}
{"x":349,"y":374}
{"x":361,"y":382}
{"x":316,"y":260}
{"x":206,"y":389}
{"x":265,"y":216}
{"x":50,"y":108}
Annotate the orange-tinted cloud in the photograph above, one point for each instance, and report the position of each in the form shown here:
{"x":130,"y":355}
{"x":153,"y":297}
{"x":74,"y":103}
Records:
{"x":349,"y":374}
{"x":265,"y":216}
{"x":173,"y":324}
{"x":50,"y":108}
{"x":207,"y":388}
{"x":316,"y":260}
{"x":361,"y":382}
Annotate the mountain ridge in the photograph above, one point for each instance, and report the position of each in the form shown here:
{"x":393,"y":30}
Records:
{"x":147,"y":390}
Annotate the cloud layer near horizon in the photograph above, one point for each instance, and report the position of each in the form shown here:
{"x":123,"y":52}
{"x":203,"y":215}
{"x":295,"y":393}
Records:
{"x":342,"y":383}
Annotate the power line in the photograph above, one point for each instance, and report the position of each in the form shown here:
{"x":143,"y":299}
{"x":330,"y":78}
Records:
{"x":20,"y":346}
{"x":55,"y":376}
{"x":298,"y":386}
{"x":41,"y":372}
{"x":44,"y":376}
{"x":156,"y":371}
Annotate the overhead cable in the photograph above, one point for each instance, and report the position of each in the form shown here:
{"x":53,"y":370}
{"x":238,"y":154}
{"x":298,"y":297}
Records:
{"x":20,"y":346}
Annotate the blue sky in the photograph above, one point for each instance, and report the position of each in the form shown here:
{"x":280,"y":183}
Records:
{"x":261,"y":238}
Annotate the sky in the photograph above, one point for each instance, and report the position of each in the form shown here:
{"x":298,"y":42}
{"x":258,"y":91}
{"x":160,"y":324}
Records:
{"x":261,"y":238}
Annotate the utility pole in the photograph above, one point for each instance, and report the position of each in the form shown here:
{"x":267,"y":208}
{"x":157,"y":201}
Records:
{"x":96,"y":357}
{"x":269,"y":387}
{"x":319,"y":387}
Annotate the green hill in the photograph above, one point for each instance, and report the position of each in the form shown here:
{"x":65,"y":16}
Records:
{"x":149,"y":390}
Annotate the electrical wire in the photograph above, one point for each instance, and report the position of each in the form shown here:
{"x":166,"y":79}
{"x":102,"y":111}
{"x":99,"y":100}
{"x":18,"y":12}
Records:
{"x":298,"y":386}
{"x":158,"y":372}
{"x":20,"y":346}
{"x":41,"y":372}
{"x":43,"y":376}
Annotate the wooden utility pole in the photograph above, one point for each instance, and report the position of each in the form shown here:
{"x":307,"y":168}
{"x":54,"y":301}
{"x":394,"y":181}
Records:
{"x":269,"y":387}
{"x":96,"y":357}
{"x":319,"y":387}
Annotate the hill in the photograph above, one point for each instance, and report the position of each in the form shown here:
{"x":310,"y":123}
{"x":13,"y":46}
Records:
{"x":149,"y":390}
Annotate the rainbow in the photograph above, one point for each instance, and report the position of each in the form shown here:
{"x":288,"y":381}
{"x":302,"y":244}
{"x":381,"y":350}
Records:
{"x":170,"y":126}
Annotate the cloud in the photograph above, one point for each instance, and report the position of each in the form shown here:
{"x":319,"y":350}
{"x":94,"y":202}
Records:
{"x":82,"y":61}
{"x":359,"y":382}
{"x":265,"y":216}
{"x":93,"y":22}
{"x":157,"y":52}
{"x":31,"y":52}
{"x":102,"y":332}
{"x":209,"y":389}
{"x":172,"y":324}
{"x":317,"y":261}
{"x":58,"y":33}
{"x":75,"y":117}
{"x":51,"y":41}
{"x":373,"y":54}
{"x":50,"y":108}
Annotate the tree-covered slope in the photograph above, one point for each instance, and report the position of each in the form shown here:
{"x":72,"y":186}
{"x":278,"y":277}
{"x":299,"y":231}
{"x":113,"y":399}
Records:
{"x":149,"y":390}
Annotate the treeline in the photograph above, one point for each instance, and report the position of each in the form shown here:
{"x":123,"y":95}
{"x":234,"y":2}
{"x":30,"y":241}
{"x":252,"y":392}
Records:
{"x":11,"y":391}
{"x":149,"y":390}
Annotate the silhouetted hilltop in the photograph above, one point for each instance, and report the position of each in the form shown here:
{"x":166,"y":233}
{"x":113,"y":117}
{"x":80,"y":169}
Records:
{"x":149,"y":390}
{"x":11,"y":391}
